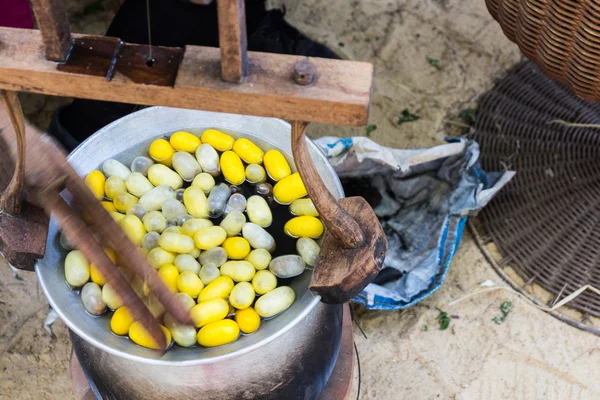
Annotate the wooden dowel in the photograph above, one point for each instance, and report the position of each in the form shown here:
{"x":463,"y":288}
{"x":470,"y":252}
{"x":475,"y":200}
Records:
{"x":11,"y":199}
{"x":72,"y":226}
{"x":337,"y":220}
{"x":112,"y":234}
{"x":233,"y":40}
{"x":51,"y":17}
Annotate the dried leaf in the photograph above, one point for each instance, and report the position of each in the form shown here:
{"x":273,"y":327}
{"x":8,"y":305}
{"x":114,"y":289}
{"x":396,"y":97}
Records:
{"x":435,"y":63}
{"x":370,"y":129}
{"x":444,"y":320}
{"x":468,"y":113}
{"x":407,"y":116}
{"x":505,"y":309}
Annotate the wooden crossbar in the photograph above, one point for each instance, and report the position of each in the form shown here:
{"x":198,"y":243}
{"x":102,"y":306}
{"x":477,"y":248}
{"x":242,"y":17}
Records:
{"x":340,"y":94}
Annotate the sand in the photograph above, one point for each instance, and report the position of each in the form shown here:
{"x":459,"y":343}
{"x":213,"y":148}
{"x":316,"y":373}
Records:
{"x":530,"y":356}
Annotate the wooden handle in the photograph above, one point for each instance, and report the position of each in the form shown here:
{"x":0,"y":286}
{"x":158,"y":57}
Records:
{"x":83,"y":239}
{"x":354,"y":245}
{"x":11,"y":199}
{"x":338,"y":222}
{"x":111,"y":233}
{"x":49,"y":170}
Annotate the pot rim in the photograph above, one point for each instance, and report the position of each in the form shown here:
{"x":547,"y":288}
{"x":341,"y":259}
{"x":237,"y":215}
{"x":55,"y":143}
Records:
{"x":75,"y":328}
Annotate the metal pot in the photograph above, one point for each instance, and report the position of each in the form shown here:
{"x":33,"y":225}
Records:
{"x":289,"y":357}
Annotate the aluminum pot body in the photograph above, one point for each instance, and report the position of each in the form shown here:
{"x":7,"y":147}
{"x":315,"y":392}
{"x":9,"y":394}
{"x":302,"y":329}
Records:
{"x":289,"y":357}
{"x":294,"y":366}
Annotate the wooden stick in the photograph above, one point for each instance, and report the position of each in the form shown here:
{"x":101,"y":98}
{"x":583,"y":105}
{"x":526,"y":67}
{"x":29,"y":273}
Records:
{"x":51,"y":17}
{"x":573,"y":124}
{"x":337,"y":220}
{"x":232,"y":40}
{"x":340,"y":95}
{"x":112,"y":234}
{"x":72,"y":225}
{"x":573,"y":295}
{"x":11,"y":199}
{"x":47,"y":169}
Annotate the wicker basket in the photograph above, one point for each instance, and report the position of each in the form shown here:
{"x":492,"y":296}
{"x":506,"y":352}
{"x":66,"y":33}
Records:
{"x":561,"y":36}
{"x":546,"y":221}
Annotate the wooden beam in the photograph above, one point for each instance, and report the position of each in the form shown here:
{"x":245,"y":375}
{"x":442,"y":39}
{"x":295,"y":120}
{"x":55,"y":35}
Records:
{"x":340,"y":94}
{"x":233,"y":40}
{"x":51,"y":17}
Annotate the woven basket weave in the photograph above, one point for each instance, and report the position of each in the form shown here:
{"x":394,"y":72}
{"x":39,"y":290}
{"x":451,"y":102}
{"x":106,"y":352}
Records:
{"x":561,"y":36}
{"x":546,"y":221}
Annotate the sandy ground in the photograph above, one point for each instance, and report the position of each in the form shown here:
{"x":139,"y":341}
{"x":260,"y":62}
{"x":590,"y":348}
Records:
{"x":530,"y":356}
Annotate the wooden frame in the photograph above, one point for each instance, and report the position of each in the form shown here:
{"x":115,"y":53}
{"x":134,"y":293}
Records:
{"x":339,"y":95}
{"x":229,"y":79}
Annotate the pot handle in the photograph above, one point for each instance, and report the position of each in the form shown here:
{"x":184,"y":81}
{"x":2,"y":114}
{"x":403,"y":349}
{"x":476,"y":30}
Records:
{"x":354,"y":245}
{"x":338,"y":222}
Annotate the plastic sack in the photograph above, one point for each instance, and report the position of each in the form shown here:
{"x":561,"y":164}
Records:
{"x":422,"y":198}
